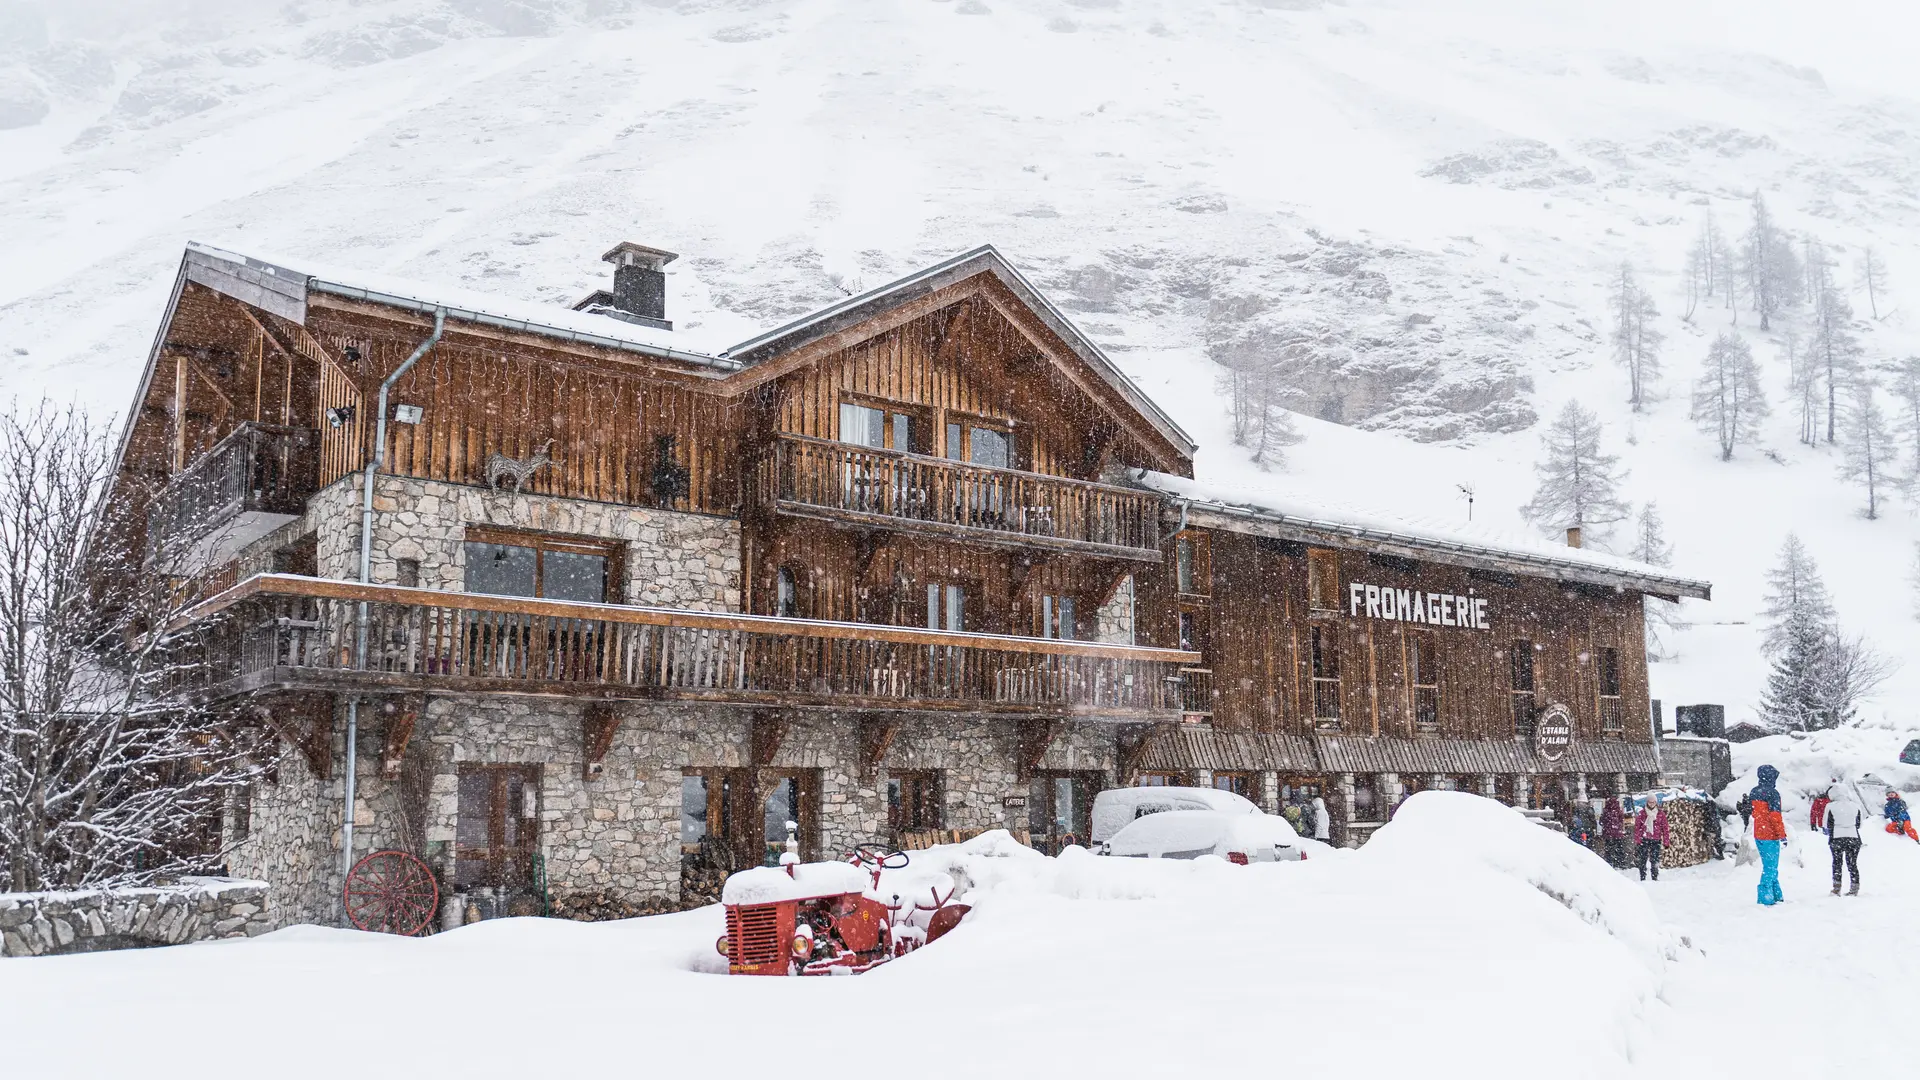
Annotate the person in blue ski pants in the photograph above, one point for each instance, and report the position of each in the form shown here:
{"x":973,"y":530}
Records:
{"x":1769,"y":829}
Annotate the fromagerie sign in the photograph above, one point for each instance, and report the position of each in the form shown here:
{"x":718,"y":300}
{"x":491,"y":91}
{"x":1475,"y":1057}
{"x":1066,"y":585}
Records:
{"x":1414,"y":606}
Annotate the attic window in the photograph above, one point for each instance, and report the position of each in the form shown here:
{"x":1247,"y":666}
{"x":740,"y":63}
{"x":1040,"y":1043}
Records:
{"x":1323,"y":580}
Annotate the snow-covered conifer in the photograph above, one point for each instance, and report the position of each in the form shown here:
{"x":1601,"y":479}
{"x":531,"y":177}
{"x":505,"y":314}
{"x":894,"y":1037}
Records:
{"x":1650,"y":546}
{"x":1255,"y":386}
{"x":1867,"y":447}
{"x":1636,"y":344}
{"x":1793,"y":586}
{"x":1803,"y":383}
{"x":1906,"y":419}
{"x":1835,"y":349}
{"x":1727,"y":400}
{"x":1707,"y":270}
{"x":1771,"y":268}
{"x":1871,"y":271}
{"x":1579,"y":483}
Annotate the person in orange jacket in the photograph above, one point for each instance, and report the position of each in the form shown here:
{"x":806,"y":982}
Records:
{"x":1769,"y":830}
{"x":1899,"y":821}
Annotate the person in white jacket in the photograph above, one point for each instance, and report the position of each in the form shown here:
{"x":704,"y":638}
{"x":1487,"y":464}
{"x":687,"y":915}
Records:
{"x":1322,"y":824}
{"x":1842,"y":826}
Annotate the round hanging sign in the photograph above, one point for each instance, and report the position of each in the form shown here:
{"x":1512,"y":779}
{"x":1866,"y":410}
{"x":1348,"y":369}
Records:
{"x":1553,"y":732}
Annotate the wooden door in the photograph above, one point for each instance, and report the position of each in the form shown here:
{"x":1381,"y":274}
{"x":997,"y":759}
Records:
{"x":497,"y":832}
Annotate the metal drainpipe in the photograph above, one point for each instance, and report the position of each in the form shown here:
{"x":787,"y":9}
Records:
{"x":374,"y":463}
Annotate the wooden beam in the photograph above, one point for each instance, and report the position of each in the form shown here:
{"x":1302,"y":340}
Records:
{"x":1035,"y":741}
{"x":598,"y":725}
{"x":402,"y":713}
{"x":867,"y":545}
{"x":876,"y":738}
{"x":305,"y":721}
{"x":179,"y":412}
{"x":1132,"y":749}
{"x":769,"y":730}
{"x":742,"y":381}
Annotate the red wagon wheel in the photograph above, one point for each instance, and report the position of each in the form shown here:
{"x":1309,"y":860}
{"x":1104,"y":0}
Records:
{"x":391,"y":892}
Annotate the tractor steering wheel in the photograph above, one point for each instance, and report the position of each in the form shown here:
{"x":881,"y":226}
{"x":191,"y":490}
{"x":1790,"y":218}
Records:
{"x":880,"y":856}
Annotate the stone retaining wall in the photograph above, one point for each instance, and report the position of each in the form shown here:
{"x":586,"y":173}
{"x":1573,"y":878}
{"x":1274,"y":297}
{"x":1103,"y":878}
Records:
{"x":91,"y":920}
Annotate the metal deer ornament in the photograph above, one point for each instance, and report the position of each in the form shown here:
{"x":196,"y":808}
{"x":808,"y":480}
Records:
{"x":500,"y":466}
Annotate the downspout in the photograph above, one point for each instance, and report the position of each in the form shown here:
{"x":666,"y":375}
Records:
{"x":374,"y":463}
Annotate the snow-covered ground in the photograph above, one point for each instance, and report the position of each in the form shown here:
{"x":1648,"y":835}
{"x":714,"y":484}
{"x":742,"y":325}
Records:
{"x":1463,"y":941}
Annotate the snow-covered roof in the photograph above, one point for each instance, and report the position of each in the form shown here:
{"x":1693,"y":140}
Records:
{"x":287,"y":276}
{"x":1272,"y":510}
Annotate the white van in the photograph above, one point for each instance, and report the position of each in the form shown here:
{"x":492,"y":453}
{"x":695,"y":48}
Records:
{"x":1115,"y":807}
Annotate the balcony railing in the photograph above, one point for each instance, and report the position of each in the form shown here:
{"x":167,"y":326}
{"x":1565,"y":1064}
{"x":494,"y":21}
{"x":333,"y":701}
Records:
{"x":1196,"y":692}
{"x":260,"y":468}
{"x":819,"y":478}
{"x":281,"y":631}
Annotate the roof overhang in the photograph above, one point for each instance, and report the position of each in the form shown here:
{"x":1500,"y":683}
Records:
{"x":1328,"y":533}
{"x":874,"y":303}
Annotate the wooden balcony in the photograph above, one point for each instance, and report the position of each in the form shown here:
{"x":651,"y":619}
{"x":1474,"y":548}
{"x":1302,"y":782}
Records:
{"x":251,"y":482}
{"x":861,"y":485}
{"x":279,"y":631}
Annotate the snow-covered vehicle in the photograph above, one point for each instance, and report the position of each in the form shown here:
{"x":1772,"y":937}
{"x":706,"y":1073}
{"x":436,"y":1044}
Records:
{"x":833,"y":918}
{"x":1189,"y":834}
{"x":1911,"y":755}
{"x":1114,"y":808}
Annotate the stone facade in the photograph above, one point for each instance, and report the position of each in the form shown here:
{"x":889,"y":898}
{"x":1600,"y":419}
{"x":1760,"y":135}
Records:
{"x":618,"y":835}
{"x":196,"y":909}
{"x":673,"y":559}
{"x":1113,"y":622}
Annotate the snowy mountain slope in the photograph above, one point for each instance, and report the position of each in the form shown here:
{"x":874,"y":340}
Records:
{"x":1435,"y":192}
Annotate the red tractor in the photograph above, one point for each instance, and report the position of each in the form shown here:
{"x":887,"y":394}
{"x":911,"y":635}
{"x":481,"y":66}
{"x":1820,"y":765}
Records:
{"x":833,"y":918}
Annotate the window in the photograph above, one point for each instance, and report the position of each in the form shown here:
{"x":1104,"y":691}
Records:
{"x":1324,"y":661}
{"x":406,"y":572}
{"x":497,"y":827}
{"x":1423,"y":674}
{"x":1520,"y":660}
{"x":1239,"y":783}
{"x":1192,"y":570}
{"x":1058,"y":808}
{"x":1057,"y":618}
{"x":786,"y":594}
{"x":695,"y":823}
{"x":790,"y":796}
{"x":980,"y":444}
{"x":240,"y":814}
{"x":1612,"y":716}
{"x":913,"y":802}
{"x":1192,"y":630}
{"x":1158,"y":779}
{"x":518,"y":564}
{"x":946,"y":607}
{"x":1323,"y":580}
{"x":882,"y":429}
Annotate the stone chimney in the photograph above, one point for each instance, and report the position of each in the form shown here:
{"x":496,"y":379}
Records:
{"x":639,"y":286}
{"x":1573,"y":536}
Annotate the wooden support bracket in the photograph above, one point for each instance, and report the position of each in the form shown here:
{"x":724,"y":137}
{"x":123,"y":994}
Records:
{"x":305,"y":721}
{"x":1133,"y":748}
{"x":598,"y":726}
{"x":401,"y":713}
{"x":870,"y":544}
{"x":1035,"y":741}
{"x":876,"y":738}
{"x":769,"y":731}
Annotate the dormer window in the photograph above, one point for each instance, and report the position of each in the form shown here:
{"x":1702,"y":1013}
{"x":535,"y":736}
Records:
{"x":882,"y":429}
{"x":980,"y":444}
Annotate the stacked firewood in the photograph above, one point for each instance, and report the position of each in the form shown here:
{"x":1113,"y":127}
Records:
{"x":600,"y":906}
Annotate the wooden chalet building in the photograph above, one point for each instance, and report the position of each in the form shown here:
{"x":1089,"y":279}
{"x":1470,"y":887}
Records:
{"x":620,"y":604}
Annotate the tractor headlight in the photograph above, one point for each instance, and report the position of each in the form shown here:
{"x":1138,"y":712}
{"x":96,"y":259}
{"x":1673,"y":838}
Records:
{"x":802,"y":946}
{"x":723,"y":947}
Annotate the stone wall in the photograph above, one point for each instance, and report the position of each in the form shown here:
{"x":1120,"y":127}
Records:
{"x":618,"y":835}
{"x":674,"y":559}
{"x":1113,"y":622}
{"x":196,"y":909}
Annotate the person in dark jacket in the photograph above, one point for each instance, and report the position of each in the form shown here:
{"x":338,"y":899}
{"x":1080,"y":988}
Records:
{"x":1651,"y":836}
{"x":1899,"y":821}
{"x":1769,"y":831}
{"x":1613,"y":829}
{"x":1841,"y":820}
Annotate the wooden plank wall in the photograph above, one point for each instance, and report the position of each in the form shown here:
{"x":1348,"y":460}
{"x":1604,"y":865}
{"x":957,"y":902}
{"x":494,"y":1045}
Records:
{"x":966,"y":362}
{"x":480,"y":397}
{"x":1258,"y":646}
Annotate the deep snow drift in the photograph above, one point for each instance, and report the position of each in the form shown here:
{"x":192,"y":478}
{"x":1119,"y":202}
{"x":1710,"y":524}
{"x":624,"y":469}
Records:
{"x":1425,"y":950}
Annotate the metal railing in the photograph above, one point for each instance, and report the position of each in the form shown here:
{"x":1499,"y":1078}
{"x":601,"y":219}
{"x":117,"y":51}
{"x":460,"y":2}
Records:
{"x":283,"y":630}
{"x":807,"y":475}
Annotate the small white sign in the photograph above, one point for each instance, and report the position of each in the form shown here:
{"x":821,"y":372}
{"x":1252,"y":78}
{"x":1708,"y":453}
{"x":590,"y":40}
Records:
{"x":1414,"y":606}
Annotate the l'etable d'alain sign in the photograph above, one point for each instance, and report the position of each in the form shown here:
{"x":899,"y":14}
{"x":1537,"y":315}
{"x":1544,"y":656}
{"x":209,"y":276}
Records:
{"x":1414,"y":606}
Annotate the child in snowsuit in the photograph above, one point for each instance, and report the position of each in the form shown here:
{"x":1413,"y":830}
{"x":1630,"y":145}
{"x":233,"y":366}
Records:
{"x":1898,"y":820}
{"x":1818,"y":811}
{"x":1650,"y":835}
{"x":1769,"y":829}
{"x":1613,"y":830}
{"x":1841,"y":820}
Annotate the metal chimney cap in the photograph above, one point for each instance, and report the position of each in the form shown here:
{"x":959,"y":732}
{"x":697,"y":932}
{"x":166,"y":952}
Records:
{"x":628,"y":253}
